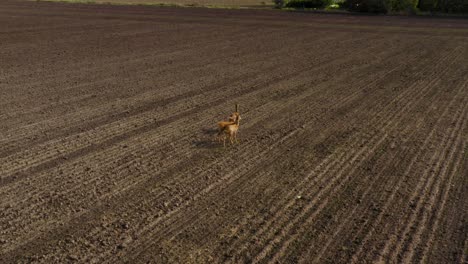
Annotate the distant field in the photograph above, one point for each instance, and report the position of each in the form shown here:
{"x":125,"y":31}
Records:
{"x":213,"y":3}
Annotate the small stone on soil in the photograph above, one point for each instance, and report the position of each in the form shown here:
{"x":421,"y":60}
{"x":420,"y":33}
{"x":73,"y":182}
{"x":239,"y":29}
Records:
{"x":125,"y":242}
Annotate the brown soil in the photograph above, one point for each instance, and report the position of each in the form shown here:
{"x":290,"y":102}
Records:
{"x":191,"y":3}
{"x":353,"y":139}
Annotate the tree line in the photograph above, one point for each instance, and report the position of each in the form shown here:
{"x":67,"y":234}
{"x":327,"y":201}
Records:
{"x":381,"y":6}
{"x":409,"y":6}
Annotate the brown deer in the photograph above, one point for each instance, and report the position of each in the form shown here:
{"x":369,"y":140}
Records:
{"x":231,"y":131}
{"x":229,"y":128}
{"x":232,"y":118}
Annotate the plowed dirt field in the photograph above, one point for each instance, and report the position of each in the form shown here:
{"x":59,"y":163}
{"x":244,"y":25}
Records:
{"x":353,"y":138}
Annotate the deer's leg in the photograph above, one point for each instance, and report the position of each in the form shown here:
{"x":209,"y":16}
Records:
{"x":220,"y":134}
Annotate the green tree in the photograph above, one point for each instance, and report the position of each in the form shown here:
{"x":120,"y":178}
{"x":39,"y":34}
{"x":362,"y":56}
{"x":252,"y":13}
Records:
{"x":409,"y":6}
{"x":371,"y":6}
{"x":427,"y":5}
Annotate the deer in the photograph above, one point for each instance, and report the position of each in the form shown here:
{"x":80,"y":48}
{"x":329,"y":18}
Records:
{"x":229,"y":128}
{"x":232,"y":118}
{"x":231,"y":132}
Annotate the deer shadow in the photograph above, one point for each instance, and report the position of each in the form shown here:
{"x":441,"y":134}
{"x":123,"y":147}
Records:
{"x":208,"y":141}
